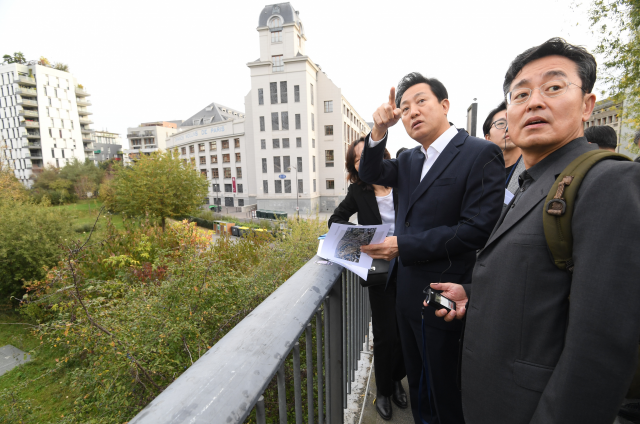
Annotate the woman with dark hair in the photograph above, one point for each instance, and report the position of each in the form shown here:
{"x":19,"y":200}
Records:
{"x":376,"y":205}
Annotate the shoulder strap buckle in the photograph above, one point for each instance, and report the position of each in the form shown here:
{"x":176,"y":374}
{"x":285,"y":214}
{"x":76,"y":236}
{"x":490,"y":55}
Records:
{"x":557,"y":206}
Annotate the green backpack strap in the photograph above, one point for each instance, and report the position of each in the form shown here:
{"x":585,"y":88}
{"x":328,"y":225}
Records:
{"x":558,"y":207}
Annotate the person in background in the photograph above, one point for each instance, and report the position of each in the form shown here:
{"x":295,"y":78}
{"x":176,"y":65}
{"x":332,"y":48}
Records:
{"x":495,"y":130}
{"x":603,"y":136}
{"x":402,"y":149}
{"x":377,"y":205}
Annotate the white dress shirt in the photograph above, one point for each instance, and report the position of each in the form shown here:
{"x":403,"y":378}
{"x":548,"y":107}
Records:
{"x":432,"y":153}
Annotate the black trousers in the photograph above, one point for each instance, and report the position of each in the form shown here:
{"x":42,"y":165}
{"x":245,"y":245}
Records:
{"x":387,"y":352}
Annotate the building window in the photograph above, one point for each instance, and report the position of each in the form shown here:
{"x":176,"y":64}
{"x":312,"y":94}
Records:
{"x":214,"y":158}
{"x":228,"y":188}
{"x":214,"y":173}
{"x":228,"y":201}
{"x":226,"y":158}
{"x":314,"y":185}
{"x":262,"y":123}
{"x":276,"y":37}
{"x":313,"y":122}
{"x":313,"y":161}
{"x":217,"y":201}
{"x":276,"y":21}
{"x":328,"y":158}
{"x":239,"y":188}
{"x":192,"y":149}
{"x":300,"y":186}
{"x":203,"y":172}
{"x":238,"y":172}
{"x":283,"y":92}
{"x":183,"y":150}
{"x":263,"y":144}
{"x":311,"y":92}
{"x":206,"y":200}
{"x":276,"y":164}
{"x":264,"y":165}
{"x":296,"y":93}
{"x":240,"y":201}
{"x":213,"y":145}
{"x":328,"y":106}
{"x":236,"y":143}
{"x":313,"y":143}
{"x":298,"y":141}
{"x":328,"y":130}
{"x":273,"y":87}
{"x":260,"y":96}
{"x":285,"y":143}
{"x":201,"y":147}
{"x":203,"y":160}
{"x":286,"y":164}
{"x":278,"y":186}
{"x":287,"y":186}
{"x":276,"y":143}
{"x":285,"y":120}
{"x":225,"y":144}
{"x":298,"y":124}
{"x":216,"y":188}
{"x":278,"y":64}
{"x":330,"y":185}
{"x":237,"y":157}
{"x":227,"y":172}
{"x":299,"y":164}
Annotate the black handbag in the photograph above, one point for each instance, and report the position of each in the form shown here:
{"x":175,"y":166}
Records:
{"x":377,"y":273}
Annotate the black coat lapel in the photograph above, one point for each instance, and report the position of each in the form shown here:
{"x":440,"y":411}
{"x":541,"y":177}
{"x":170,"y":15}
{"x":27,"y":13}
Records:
{"x":370,"y":198}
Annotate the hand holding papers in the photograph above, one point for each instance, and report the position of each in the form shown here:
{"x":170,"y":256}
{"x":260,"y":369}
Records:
{"x":342,"y":245}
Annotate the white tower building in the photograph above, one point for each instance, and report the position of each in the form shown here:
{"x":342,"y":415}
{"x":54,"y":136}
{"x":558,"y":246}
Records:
{"x":44,"y":118}
{"x":298,"y":121}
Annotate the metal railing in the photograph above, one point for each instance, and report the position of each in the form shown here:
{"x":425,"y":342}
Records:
{"x":27,"y":102}
{"x":227,"y":384}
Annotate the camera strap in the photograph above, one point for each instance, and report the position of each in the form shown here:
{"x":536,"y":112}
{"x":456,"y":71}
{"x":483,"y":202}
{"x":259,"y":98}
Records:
{"x":424,"y":374}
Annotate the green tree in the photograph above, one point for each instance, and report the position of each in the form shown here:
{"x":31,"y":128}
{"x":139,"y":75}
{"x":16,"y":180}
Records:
{"x":30,"y":238}
{"x":159,"y":185}
{"x":617,"y":23}
{"x":18,"y":57}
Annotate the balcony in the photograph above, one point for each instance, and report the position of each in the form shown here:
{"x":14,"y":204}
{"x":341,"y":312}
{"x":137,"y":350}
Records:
{"x":36,"y":155}
{"x":28,"y":102}
{"x":34,"y":145}
{"x":82,"y":101}
{"x":149,"y":147}
{"x":88,"y":148}
{"x":134,"y":135}
{"x":86,"y":130}
{"x":82,"y":111}
{"x":26,"y":80}
{"x":25,"y":143}
{"x":30,"y":113}
{"x":81,"y":92}
{"x":37,"y":169}
{"x":31,"y":124}
{"x":33,"y":134}
{"x":85,"y":121}
{"x":229,"y":380}
{"x":26,"y":92}
{"x":89,"y":156}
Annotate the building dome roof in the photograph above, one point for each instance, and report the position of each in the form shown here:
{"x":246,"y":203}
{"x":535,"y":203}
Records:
{"x":283,"y":10}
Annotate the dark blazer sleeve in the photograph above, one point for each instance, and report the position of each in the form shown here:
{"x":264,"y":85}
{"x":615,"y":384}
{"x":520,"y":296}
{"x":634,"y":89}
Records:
{"x":345,"y":209}
{"x":374,"y":169}
{"x":480,"y":209}
{"x":600,"y":350}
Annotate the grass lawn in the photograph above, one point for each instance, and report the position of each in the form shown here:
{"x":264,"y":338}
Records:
{"x":84,"y":214}
{"x":50,"y":393}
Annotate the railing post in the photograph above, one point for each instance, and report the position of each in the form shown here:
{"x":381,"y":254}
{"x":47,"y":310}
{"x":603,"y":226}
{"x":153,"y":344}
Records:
{"x":336,"y":370}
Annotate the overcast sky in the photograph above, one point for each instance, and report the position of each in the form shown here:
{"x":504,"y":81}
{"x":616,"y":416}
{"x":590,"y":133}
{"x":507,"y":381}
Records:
{"x":165,"y":60}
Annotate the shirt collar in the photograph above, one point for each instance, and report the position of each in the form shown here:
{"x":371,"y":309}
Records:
{"x":442,"y":141}
{"x":541,"y":167}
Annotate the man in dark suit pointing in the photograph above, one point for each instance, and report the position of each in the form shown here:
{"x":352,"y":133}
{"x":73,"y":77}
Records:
{"x":450,"y":194}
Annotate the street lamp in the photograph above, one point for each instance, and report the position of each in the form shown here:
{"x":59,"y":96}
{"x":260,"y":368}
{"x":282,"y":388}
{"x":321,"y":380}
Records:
{"x":297,"y":193}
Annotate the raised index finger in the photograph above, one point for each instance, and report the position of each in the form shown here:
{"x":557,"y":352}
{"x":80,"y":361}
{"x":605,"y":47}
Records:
{"x":392,"y":97}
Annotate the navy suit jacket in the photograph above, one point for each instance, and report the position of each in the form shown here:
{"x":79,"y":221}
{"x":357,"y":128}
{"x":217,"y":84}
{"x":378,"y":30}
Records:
{"x":453,"y":209}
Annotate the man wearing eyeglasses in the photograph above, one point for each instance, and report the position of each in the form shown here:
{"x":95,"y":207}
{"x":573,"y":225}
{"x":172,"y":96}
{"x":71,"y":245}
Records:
{"x":543,"y":345}
{"x":495,"y":130}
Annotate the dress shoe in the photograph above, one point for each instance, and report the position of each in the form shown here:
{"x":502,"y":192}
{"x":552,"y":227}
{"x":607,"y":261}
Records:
{"x":399,"y":395}
{"x":383,"y":406}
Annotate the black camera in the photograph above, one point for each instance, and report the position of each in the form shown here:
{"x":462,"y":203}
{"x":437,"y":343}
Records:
{"x":438,"y":301}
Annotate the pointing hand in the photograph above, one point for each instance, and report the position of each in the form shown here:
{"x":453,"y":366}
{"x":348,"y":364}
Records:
{"x":385,"y":116}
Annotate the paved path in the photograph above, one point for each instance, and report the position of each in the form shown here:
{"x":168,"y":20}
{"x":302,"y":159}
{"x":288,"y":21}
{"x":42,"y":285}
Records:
{"x":11,"y":357}
{"x":371,"y":416}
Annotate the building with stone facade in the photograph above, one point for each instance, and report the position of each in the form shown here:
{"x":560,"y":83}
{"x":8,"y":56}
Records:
{"x":44,"y":119}
{"x":607,"y":112}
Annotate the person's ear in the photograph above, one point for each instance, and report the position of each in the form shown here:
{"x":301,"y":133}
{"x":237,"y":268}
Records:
{"x":445,"y":106}
{"x":487,"y":137}
{"x":588,"y":104}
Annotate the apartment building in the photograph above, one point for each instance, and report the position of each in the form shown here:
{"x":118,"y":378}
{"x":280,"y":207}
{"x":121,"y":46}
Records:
{"x":607,"y":112}
{"x":147,"y":138}
{"x":298,"y":121}
{"x":106,"y":146}
{"x":44,"y":118}
{"x":213,"y":141}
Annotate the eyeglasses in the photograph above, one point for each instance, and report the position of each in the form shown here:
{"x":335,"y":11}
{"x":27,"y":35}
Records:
{"x":553,"y":88}
{"x":500,"y":124}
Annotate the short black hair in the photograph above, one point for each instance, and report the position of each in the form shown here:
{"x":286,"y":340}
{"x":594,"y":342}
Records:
{"x":556,"y":46}
{"x":414,"y":78}
{"x":402,"y":149}
{"x":637,"y":160}
{"x":602,"y":135}
{"x":636,"y":138}
{"x":486,"y":127}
